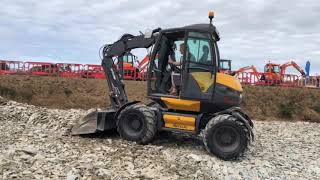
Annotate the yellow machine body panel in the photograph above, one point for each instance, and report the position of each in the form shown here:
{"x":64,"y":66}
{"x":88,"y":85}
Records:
{"x":179,"y":122}
{"x":204,"y":80}
{"x":229,"y":81}
{"x":181,"y":104}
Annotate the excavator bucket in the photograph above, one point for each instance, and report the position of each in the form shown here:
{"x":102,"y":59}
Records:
{"x":94,"y":122}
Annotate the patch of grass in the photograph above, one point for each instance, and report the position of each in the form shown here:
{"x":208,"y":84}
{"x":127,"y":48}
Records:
{"x":26,"y":95}
{"x":312,"y":96}
{"x":287,"y":110}
{"x":317,"y":107}
{"x":6,"y":92}
{"x":23,"y":94}
{"x":67,"y":92}
{"x":51,"y":91}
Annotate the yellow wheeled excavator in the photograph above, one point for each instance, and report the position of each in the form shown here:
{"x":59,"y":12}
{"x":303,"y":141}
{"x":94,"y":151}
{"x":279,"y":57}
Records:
{"x":206,"y":103}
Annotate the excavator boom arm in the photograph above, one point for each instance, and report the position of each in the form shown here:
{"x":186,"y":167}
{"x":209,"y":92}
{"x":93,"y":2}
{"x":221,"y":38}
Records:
{"x":126,"y":43}
{"x":284,"y":66}
{"x":248,"y":68}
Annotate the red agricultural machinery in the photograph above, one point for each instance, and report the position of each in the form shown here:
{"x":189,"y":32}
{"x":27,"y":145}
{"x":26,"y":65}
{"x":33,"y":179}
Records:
{"x":274,"y":74}
{"x":10,"y":67}
{"x":51,"y":69}
{"x":248,"y":75}
{"x":93,"y":71}
{"x":225,"y":66}
{"x":69,"y":70}
{"x":133,"y":69}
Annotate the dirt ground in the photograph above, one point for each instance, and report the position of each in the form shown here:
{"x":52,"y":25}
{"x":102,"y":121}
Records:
{"x":35,"y":143}
{"x":64,"y":93}
{"x":262,"y":103}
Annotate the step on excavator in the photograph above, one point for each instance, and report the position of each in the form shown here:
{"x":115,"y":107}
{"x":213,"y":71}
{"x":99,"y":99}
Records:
{"x":207,"y":102}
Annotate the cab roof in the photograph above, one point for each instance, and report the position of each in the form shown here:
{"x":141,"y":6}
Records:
{"x":198,"y":27}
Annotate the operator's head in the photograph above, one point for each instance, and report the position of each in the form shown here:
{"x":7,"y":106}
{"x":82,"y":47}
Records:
{"x":182,"y":48}
{"x":205,"y":49}
{"x":174,"y":46}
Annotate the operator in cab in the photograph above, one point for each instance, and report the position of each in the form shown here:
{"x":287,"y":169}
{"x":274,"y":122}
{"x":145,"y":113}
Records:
{"x":176,"y":76}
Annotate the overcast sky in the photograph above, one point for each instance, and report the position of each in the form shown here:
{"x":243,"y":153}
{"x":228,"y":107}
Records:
{"x":252,"y":31}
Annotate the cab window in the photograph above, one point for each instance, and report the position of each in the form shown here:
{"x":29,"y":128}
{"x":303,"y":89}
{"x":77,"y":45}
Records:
{"x":199,"y":51}
{"x":200,"y":66}
{"x":276,"y":69}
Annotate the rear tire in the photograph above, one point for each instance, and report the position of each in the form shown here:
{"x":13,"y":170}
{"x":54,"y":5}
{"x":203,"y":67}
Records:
{"x":137,"y":123}
{"x":226,"y":137}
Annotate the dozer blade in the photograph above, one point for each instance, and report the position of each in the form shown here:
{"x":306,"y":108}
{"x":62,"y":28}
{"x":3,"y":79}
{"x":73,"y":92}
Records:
{"x":94,"y":122}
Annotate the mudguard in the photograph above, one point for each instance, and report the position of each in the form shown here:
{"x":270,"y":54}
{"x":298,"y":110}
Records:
{"x":242,"y":116}
{"x":124,"y":106}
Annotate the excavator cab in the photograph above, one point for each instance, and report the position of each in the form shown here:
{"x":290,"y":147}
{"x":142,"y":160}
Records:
{"x":271,"y":74}
{"x":197,"y":67}
{"x":129,"y":60}
{"x":207,"y":103}
{"x":225,"y":65}
{"x":198,"y":71}
{"x":275,"y":73}
{"x":272,"y":68}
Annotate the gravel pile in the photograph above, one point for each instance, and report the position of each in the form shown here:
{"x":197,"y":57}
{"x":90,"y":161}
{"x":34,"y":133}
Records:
{"x":35,"y":144}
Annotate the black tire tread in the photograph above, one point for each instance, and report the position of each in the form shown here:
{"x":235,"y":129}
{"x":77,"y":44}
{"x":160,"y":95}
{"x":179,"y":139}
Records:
{"x":149,"y":117}
{"x":219,"y":119}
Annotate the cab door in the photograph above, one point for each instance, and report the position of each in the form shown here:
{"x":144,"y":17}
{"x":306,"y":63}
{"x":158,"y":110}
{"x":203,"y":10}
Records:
{"x":199,"y":68}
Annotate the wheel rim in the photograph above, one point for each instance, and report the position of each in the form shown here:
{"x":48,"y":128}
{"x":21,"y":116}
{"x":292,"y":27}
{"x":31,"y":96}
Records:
{"x":133,"y":124}
{"x":226,"y":139}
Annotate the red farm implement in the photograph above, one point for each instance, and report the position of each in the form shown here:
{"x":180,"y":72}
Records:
{"x":273,"y":74}
{"x":11,"y":67}
{"x":40,"y":68}
{"x":132,"y":72}
{"x":69,"y":70}
{"x":93,"y":71}
{"x":256,"y":78}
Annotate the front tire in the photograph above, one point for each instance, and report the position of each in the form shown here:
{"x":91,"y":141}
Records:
{"x":226,"y":137}
{"x":137,"y":123}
